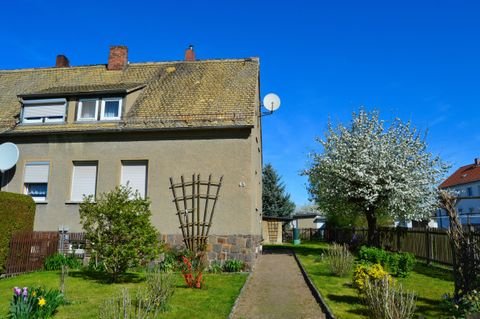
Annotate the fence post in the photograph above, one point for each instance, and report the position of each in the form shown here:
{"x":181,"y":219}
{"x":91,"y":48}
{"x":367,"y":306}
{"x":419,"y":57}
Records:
{"x":427,"y":246}
{"x":399,"y":242}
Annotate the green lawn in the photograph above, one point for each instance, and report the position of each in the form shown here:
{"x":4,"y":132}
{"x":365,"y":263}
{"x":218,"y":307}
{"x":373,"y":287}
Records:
{"x":86,"y":294}
{"x":428,"y":282}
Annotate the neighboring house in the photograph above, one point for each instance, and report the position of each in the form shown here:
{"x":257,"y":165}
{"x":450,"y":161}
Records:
{"x":82,"y":130}
{"x":465,"y":182}
{"x":308,"y":220}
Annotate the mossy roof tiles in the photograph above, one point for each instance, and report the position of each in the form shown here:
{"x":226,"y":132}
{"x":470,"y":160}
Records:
{"x":208,"y":93}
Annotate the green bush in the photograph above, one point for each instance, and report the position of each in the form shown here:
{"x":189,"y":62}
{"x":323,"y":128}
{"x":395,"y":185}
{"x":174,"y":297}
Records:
{"x":398,"y":264}
{"x":55,"y":262}
{"x":17,"y":212}
{"x":119,"y":228}
{"x":233,"y":265}
{"x":215,"y":267}
{"x":468,"y":304}
{"x":169,"y":262}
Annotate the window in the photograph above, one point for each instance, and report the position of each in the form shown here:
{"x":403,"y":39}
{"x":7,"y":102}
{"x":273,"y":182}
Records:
{"x":106,"y":109}
{"x":84,"y":180}
{"x":36,"y":180}
{"x":44,"y":111}
{"x":111,"y":109}
{"x":135,"y":174}
{"x":87,"y":110}
{"x":469,"y":192}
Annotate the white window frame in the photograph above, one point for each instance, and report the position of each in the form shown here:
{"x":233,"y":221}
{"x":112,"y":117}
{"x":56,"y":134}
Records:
{"x":124,"y":182}
{"x":74,"y":171}
{"x":43,"y":119}
{"x":102,"y":111}
{"x":28,"y":182}
{"x":79,"y":111}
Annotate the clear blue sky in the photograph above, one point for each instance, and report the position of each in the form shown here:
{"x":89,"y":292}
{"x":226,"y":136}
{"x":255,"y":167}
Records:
{"x":416,"y":60}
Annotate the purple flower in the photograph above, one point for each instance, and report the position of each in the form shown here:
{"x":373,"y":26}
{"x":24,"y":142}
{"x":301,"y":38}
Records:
{"x":25,"y":292}
{"x":17,"y":291}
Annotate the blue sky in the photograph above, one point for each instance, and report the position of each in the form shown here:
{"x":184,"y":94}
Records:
{"x":416,"y":60}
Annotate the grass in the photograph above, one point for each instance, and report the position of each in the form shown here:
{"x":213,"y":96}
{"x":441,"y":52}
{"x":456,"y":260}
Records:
{"x":428,"y":282}
{"x":86,"y":293}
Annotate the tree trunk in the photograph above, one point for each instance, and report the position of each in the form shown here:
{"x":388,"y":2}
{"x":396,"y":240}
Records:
{"x":372,"y":228}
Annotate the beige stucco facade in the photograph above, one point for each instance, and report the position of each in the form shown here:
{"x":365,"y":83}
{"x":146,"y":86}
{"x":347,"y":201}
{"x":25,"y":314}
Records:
{"x":234,"y":153}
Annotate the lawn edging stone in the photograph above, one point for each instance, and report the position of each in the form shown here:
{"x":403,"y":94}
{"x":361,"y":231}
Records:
{"x":316,"y":294}
{"x":242,"y":291}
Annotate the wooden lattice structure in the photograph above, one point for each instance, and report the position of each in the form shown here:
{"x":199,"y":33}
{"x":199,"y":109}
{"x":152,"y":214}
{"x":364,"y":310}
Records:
{"x":195,"y":201}
{"x":272,"y":231}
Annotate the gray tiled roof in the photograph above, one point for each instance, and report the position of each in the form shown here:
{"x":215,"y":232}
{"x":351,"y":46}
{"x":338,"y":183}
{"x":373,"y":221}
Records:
{"x":176,"y":94}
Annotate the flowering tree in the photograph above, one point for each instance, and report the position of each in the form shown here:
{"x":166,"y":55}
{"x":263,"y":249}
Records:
{"x":370,"y":169}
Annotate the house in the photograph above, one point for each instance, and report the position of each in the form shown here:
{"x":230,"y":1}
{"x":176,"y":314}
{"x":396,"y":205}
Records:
{"x":465,"y":182}
{"x":82,"y":130}
{"x":308,"y":220}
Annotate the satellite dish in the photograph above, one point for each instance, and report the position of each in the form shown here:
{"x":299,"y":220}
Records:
{"x":271,"y":102}
{"x":8,"y":156}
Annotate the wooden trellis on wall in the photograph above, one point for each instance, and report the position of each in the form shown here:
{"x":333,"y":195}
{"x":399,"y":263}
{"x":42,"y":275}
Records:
{"x":195,"y":201}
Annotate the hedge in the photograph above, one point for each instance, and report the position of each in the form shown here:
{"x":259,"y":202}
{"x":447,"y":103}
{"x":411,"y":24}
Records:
{"x":17,"y":212}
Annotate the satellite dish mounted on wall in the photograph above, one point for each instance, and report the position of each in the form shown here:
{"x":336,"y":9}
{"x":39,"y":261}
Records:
{"x":271,"y":102}
{"x":8,"y":156}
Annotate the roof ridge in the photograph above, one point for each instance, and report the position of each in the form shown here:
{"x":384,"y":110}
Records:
{"x":52,"y":68}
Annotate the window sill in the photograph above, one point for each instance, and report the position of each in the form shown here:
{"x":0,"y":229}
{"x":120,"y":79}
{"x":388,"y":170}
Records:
{"x":43,"y":202}
{"x":74,"y":202}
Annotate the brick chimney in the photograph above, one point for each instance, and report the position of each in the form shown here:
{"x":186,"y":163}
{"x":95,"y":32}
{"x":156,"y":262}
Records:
{"x":477,"y":161}
{"x":62,"y":61}
{"x":118,"y":57}
{"x":189,"y":54}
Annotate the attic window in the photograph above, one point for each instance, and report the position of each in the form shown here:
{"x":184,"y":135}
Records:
{"x":43,"y":111}
{"x":105,"y":109}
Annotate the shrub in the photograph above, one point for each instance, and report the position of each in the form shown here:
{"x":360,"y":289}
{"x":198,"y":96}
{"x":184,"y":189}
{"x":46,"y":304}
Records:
{"x":215,"y":267}
{"x":192,"y":270}
{"x":468,"y":304}
{"x":373,"y":255}
{"x":147,"y":303}
{"x":233,"y":265}
{"x":398,"y":264}
{"x":385,"y":300}
{"x":372,"y":273}
{"x":17,"y":212}
{"x":169,"y":262}
{"x":119,"y":228}
{"x":56,"y":261}
{"x":340,"y":260}
{"x":36,"y":303}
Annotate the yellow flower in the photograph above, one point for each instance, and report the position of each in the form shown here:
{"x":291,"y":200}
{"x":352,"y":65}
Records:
{"x":41,"y":301}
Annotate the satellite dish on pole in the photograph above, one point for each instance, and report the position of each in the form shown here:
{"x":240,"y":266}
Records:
{"x":271,"y":102}
{"x":8,"y":156}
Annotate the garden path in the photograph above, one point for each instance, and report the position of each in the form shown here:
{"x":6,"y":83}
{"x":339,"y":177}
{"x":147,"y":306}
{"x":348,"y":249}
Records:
{"x":276,"y":289}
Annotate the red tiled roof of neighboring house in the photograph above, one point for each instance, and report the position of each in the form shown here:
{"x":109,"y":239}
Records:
{"x":464,"y":175}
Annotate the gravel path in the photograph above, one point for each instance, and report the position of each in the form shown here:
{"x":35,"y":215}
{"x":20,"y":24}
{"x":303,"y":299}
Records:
{"x":277,"y":290}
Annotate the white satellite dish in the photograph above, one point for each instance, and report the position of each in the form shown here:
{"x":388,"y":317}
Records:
{"x":8,"y":156}
{"x":271,"y":102}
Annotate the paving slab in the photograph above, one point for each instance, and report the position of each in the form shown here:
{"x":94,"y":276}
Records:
{"x":276,"y":289}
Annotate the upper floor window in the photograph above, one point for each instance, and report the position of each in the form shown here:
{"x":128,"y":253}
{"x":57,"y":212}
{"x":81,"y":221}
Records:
{"x":106,"y":109}
{"x":44,"y":111}
{"x":84,"y":180}
{"x":469,"y":192}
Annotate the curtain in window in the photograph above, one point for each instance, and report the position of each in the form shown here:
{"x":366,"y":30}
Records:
{"x":111,"y":109}
{"x":88,"y":109}
{"x":37,"y":189}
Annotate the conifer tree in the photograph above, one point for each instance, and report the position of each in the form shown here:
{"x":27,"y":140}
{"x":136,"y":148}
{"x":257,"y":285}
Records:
{"x":276,"y":202}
